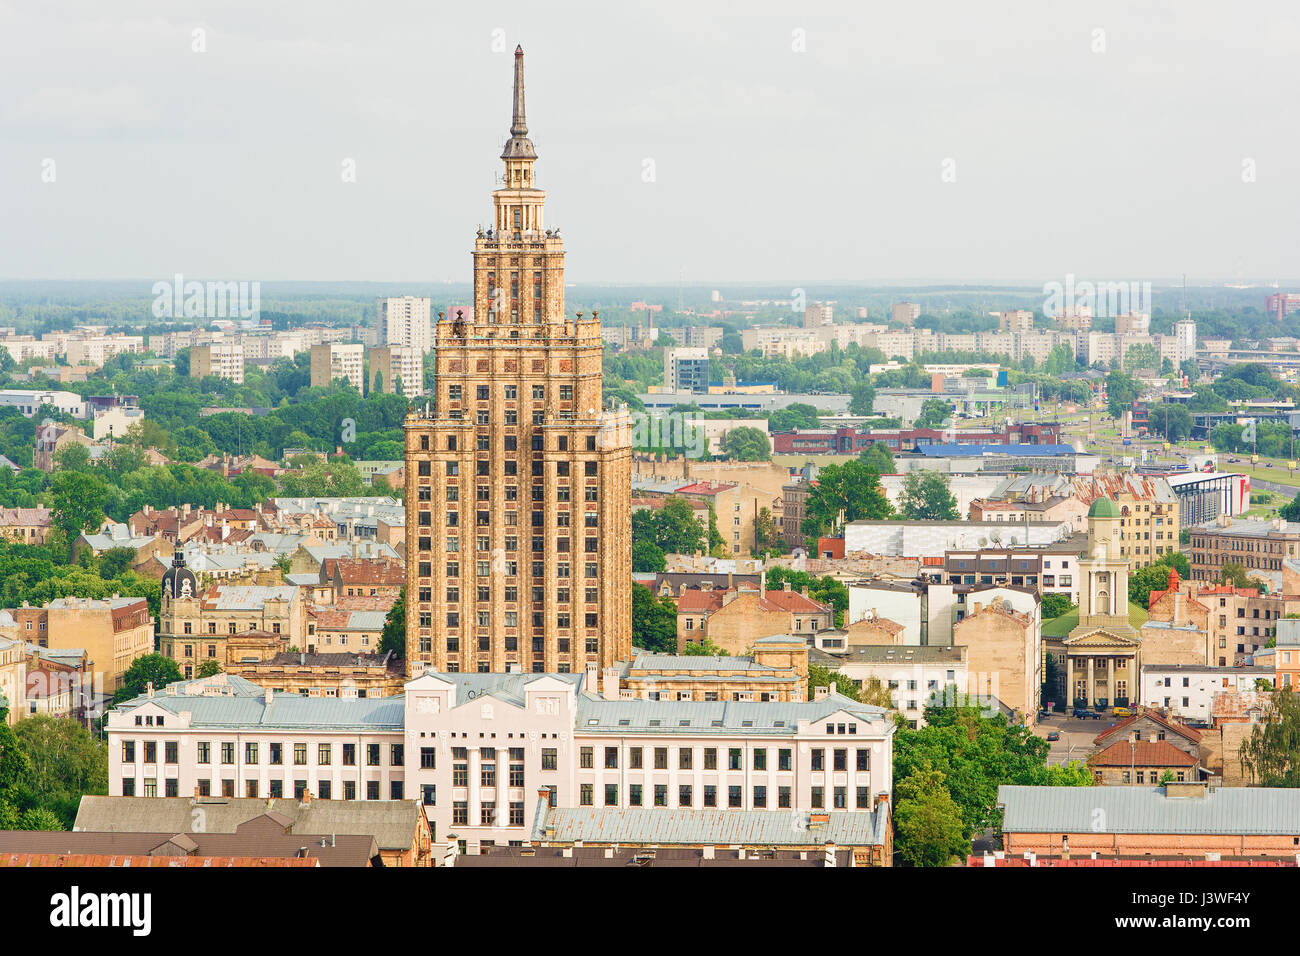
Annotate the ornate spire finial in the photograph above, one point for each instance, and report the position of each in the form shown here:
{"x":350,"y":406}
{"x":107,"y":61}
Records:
{"x":519,"y":146}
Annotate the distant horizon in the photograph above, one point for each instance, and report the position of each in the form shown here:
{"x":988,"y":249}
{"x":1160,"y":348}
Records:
{"x":908,"y":143}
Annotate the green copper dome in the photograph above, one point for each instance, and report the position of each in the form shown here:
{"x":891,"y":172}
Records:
{"x":1104,"y":508}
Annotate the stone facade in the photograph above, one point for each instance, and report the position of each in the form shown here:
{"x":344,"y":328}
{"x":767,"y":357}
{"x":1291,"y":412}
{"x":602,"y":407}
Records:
{"x":518,"y":485}
{"x":1004,"y":649}
{"x":734,"y":618}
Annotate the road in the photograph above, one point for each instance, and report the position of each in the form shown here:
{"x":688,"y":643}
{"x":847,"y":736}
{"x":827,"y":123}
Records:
{"x":1076,"y":736}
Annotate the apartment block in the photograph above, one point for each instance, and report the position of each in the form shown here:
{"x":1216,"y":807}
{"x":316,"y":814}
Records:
{"x":222,"y":359}
{"x":397,"y":369}
{"x":333,"y":362}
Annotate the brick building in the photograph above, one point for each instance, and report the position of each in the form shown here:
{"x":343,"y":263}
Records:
{"x":734,"y":618}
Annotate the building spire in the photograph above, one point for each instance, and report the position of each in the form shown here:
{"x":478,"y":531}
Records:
{"x":519,"y":146}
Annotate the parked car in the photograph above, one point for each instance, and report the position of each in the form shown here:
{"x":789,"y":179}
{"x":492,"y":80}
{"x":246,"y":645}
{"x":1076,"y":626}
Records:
{"x":1054,"y":735}
{"x":1121,"y":712}
{"x":1083,"y":713}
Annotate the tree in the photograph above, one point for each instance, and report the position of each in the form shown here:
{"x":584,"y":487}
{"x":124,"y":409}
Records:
{"x":73,"y":456}
{"x":1231,"y":572}
{"x":851,"y":491}
{"x":862,"y":399}
{"x":1271,"y":755}
{"x":66,"y":763}
{"x":767,"y":537}
{"x":115,"y":562}
{"x":819,"y":676}
{"x":77,"y":504}
{"x":1291,"y":510}
{"x":394,"y":635}
{"x":928,"y":827}
{"x":647,"y":557}
{"x":38,"y":818}
{"x":746,"y":444}
{"x":1121,"y":392}
{"x":654,"y":621}
{"x":1172,"y":420}
{"x":147,"y":669}
{"x":1054,"y":605}
{"x":934,"y":412}
{"x":209,"y":668}
{"x":674,"y":528}
{"x":878,"y":458}
{"x":926,"y":497}
{"x":825,"y":590}
{"x":705,"y":648}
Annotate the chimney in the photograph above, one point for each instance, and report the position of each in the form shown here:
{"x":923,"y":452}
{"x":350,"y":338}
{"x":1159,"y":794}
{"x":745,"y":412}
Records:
{"x":306,"y":798}
{"x":270,"y":694}
{"x":821,"y":693}
{"x":592,"y":682}
{"x":148,"y":689}
{"x":196,"y":791}
{"x":978,"y":607}
{"x":829,"y":850}
{"x":786,"y":586}
{"x":610,"y":686}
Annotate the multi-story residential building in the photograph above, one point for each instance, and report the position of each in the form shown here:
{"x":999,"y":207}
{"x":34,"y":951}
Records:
{"x":397,"y":370}
{"x":818,"y":314}
{"x":1186,"y":692}
{"x":1004,"y":655}
{"x":226,"y":736}
{"x":905,"y":312}
{"x":13,"y":678}
{"x":913,"y":674}
{"x":782,"y":341}
{"x":194,"y":624}
{"x":1286,"y":654}
{"x":777,"y":670}
{"x":113,"y":631}
{"x":406,"y":321}
{"x":518,"y":538}
{"x":734,"y":618}
{"x":686,"y":369}
{"x":1016,"y":320}
{"x":1053,"y":569}
{"x":327,"y":674}
{"x":1258,"y":546}
{"x":25,"y":525}
{"x":335,"y":361}
{"x":222,"y":359}
{"x":29,"y":401}
{"x":697,"y":336}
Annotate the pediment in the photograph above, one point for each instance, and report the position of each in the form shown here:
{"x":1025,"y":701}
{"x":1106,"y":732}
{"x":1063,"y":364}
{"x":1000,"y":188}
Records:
{"x":1101,"y":637}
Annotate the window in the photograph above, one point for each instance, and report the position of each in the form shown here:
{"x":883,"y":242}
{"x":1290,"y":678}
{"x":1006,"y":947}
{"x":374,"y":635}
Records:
{"x":611,"y":794}
{"x":428,"y":758}
{"x":735,"y":796}
{"x":586,"y":758}
{"x":549,"y":761}
{"x":611,"y":758}
{"x":760,"y":759}
{"x":661,"y":794}
{"x":818,"y":759}
{"x":324,"y":752}
{"x":299,"y":755}
{"x":735,"y":759}
{"x":783,"y":759}
{"x":634,"y":795}
{"x":585,"y":796}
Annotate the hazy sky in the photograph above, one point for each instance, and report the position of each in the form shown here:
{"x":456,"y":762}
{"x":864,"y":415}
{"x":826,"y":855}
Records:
{"x":769,"y":162}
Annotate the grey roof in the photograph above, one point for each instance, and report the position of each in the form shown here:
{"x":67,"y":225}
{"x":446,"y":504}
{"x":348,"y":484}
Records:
{"x":306,"y":579}
{"x":243,"y":708}
{"x":391,"y":822}
{"x":905,"y":654}
{"x":1249,"y":527}
{"x":1121,"y":809}
{"x":249,"y":597}
{"x":693,"y":717}
{"x":690,"y":662}
{"x":504,"y":687}
{"x":365,"y":549}
{"x":704,"y":827}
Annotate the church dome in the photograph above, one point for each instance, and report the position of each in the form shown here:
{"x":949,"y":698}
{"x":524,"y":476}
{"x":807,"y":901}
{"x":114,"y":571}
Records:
{"x":1104,"y":508}
{"x":178,"y":580}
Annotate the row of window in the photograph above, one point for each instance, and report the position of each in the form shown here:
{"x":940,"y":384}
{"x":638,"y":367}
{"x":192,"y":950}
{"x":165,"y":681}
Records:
{"x":275,"y":789}
{"x":735,"y":758}
{"x":483,"y":467}
{"x":252,"y":753}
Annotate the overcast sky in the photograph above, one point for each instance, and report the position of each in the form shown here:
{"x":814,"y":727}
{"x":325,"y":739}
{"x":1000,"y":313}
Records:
{"x":801,"y":141}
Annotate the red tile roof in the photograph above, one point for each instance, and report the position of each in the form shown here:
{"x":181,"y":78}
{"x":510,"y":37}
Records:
{"x":1144,"y":753}
{"x":1181,"y":729}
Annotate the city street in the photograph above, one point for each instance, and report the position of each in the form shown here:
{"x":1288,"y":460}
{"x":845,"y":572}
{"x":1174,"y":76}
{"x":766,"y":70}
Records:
{"x":1076,"y":736}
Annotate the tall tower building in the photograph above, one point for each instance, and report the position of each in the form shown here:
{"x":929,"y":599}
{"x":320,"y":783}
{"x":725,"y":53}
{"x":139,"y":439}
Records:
{"x":406,"y":321}
{"x":518,"y":535}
